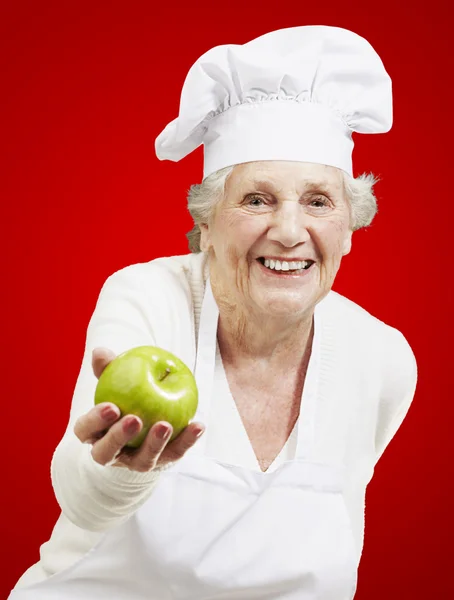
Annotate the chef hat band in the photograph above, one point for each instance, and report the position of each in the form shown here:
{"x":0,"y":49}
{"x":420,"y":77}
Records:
{"x":277,"y":130}
{"x":296,"y":94}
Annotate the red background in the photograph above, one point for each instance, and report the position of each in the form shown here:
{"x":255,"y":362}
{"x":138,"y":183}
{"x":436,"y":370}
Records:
{"x":86,"y":89}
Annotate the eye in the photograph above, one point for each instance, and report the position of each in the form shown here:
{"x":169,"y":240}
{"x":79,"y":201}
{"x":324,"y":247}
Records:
{"x":319,"y":202}
{"x":254,"y":200}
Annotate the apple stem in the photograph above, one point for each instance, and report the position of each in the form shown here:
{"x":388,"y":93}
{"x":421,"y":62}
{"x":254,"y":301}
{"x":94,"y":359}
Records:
{"x":167,"y":372}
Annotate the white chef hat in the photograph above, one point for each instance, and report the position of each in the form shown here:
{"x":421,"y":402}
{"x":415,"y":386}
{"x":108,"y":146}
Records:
{"x":295,"y":94}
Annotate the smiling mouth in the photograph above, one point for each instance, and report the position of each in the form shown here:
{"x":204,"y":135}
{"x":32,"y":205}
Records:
{"x":284,"y":266}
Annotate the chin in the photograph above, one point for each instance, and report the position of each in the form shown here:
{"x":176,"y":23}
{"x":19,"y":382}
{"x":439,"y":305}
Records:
{"x":285,"y":308}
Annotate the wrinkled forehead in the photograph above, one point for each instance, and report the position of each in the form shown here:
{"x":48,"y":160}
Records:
{"x":281,"y":176}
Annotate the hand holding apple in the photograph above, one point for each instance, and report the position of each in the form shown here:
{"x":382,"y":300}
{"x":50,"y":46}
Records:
{"x":108,"y":430}
{"x":152,"y":384}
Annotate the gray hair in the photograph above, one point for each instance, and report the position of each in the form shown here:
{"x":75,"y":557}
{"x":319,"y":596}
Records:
{"x":203,"y":198}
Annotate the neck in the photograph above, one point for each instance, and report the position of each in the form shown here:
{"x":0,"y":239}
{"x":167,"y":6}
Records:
{"x":245,"y":336}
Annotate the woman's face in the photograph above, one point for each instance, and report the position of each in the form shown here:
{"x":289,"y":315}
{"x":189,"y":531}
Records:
{"x":278,"y":213}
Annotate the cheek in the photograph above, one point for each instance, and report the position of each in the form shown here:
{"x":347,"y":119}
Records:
{"x":331,"y":239}
{"x":240,"y":232}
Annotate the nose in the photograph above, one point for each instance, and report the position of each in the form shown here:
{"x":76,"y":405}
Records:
{"x":289,"y":224}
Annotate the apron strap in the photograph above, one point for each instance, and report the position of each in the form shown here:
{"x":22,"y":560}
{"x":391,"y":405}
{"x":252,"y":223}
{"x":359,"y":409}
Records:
{"x":309,"y":399}
{"x":205,"y":361}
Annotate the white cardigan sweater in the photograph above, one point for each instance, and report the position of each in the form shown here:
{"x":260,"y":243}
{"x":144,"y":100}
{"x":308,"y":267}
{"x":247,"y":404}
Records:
{"x":366,"y":383}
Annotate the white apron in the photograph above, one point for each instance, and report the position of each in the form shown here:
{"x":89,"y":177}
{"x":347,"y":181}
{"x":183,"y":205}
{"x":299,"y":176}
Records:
{"x":212,"y":530}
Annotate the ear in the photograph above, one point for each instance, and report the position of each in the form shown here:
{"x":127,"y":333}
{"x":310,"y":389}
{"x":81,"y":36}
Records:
{"x":205,"y":240}
{"x":347,"y":245}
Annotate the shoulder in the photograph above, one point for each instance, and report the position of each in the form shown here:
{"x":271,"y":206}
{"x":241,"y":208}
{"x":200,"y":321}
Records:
{"x":372,"y":338}
{"x":356,"y":316}
{"x":163,"y":278}
{"x":160,"y":296}
{"x":356,"y":320}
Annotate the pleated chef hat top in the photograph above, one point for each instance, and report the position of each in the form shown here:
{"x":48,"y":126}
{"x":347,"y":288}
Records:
{"x":294,"y":94}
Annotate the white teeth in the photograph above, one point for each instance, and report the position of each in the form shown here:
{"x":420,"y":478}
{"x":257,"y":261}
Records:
{"x":277,"y":265}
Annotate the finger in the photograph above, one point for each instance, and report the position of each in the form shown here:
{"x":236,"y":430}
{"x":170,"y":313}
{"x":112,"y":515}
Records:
{"x":107,"y":448}
{"x":180,"y":445}
{"x":100,"y":358}
{"x":149,"y":452}
{"x":90,"y":426}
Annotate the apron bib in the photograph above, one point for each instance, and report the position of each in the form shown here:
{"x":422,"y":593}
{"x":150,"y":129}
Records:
{"x":215,"y":531}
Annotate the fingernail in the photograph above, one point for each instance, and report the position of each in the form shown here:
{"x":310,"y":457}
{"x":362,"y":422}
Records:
{"x":109,"y":413}
{"x":162,"y":432}
{"x":131,"y":426}
{"x":198,"y":432}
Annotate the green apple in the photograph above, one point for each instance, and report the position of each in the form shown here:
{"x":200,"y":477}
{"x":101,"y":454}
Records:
{"x":154,"y":385}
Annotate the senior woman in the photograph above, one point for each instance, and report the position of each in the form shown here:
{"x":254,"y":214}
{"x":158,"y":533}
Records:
{"x":300,"y":389}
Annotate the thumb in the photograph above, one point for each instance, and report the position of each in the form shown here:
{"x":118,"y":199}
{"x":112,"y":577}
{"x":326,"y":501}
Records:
{"x":100,"y":358}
